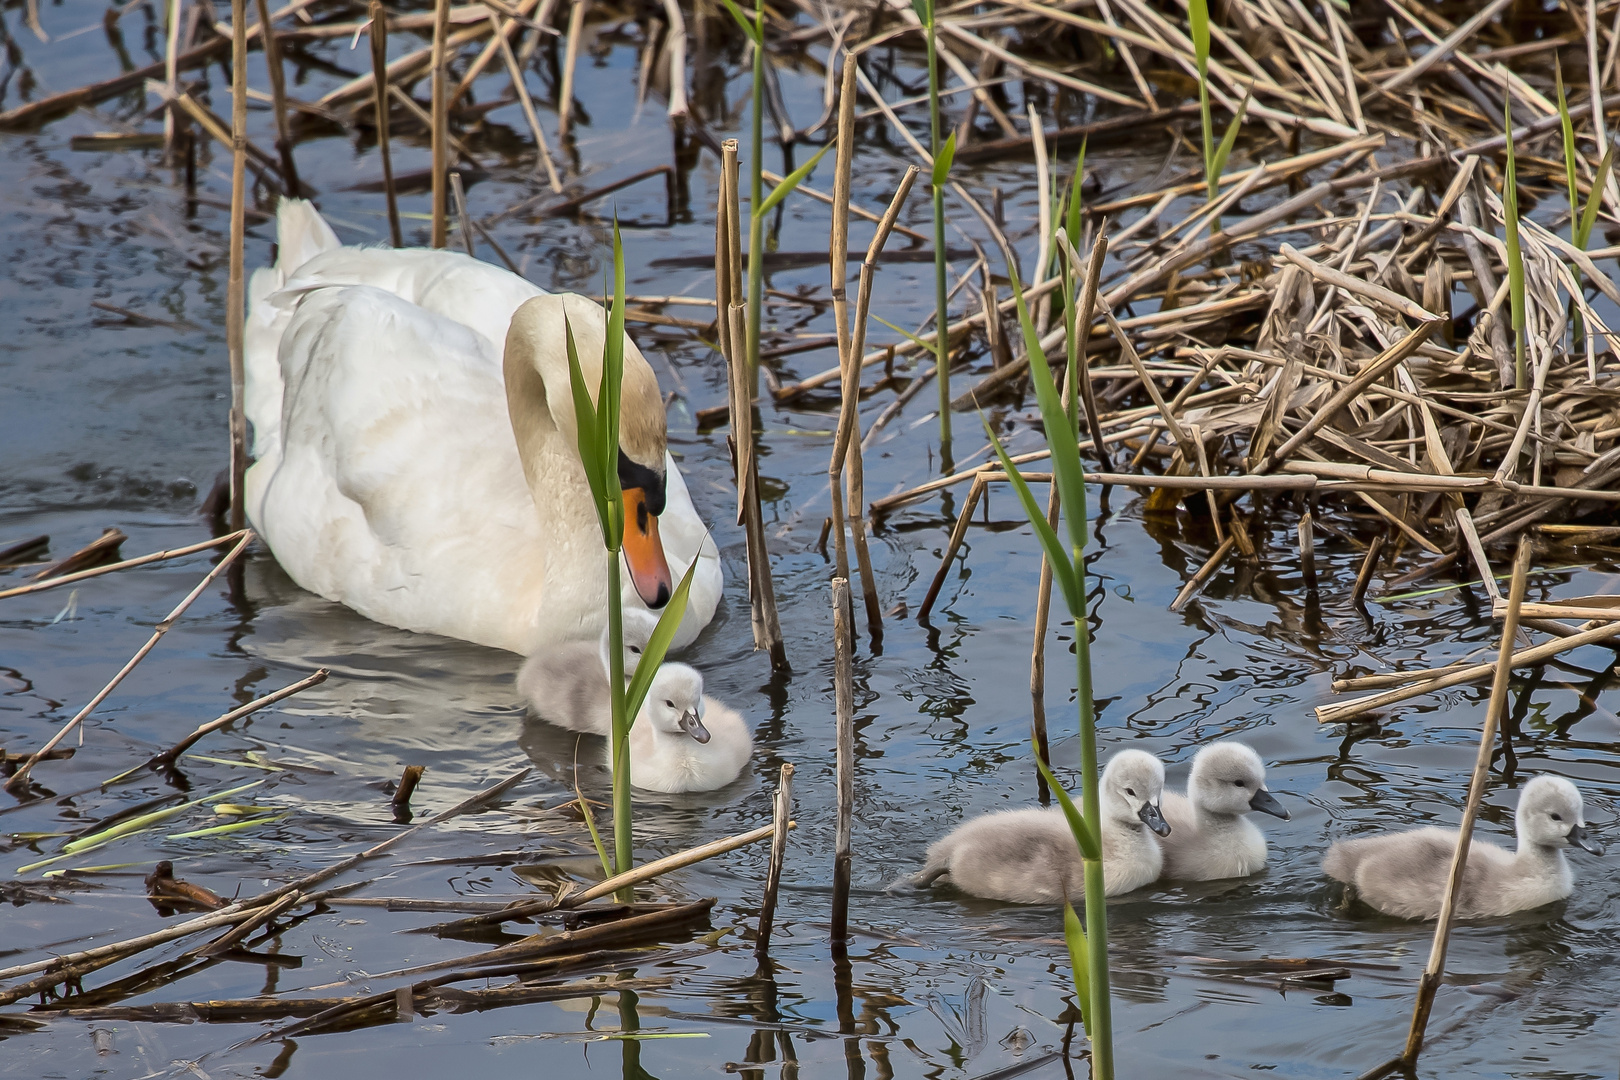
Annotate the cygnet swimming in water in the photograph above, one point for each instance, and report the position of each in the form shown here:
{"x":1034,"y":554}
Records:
{"x":1030,"y":856}
{"x":1405,"y":874}
{"x":683,"y":740}
{"x":567,"y":685}
{"x":1210,"y":836}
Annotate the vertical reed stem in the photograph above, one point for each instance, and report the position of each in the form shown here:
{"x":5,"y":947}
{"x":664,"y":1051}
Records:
{"x":838,"y":268}
{"x":1099,"y":1013}
{"x":379,"y":75}
{"x":623,"y":829}
{"x":756,"y":197}
{"x":463,"y":227}
{"x":1435,"y":970}
{"x":783,"y":809}
{"x":171,"y":74}
{"x":441,"y":124}
{"x":565,"y":95}
{"x":844,"y":701}
{"x":278,"y":90}
{"x":234,"y":313}
{"x":942,"y":339}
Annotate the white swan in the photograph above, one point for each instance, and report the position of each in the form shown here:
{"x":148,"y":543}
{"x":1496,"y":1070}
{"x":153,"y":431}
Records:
{"x":568,"y":685}
{"x":415,"y":441}
{"x":1210,"y":836}
{"x":684,"y":740}
{"x":1030,"y":857}
{"x":1405,"y":874}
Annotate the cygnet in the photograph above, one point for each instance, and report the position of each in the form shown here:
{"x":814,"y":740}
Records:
{"x":683,"y":740}
{"x":1210,"y":836}
{"x":1405,"y":874}
{"x":567,"y":685}
{"x":1030,"y":857}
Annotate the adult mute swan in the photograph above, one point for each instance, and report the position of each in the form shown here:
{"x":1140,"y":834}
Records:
{"x":1405,"y":874}
{"x":416,"y":447}
{"x":1030,"y":857}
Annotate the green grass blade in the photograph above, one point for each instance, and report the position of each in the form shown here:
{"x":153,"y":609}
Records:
{"x":1071,"y":220}
{"x":1217,"y":166}
{"x":235,"y":826}
{"x":1074,"y":935}
{"x":1594,"y":198}
{"x":596,"y":837}
{"x":925,"y":12}
{"x":792,"y":180}
{"x":743,"y":21}
{"x":1568,"y":128}
{"x":134,"y":824}
{"x":669,"y":621}
{"x":587,"y":436}
{"x":1062,"y":568}
{"x":926,"y":346}
{"x":942,"y":162}
{"x":1198,"y":20}
{"x":1089,"y":847}
{"x":1068,"y":472}
{"x":1515,"y":257}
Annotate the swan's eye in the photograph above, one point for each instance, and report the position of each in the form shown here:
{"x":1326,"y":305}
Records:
{"x":1557,"y":817}
{"x":1131,"y":792}
{"x":671,"y":704}
{"x":1239,"y":783}
{"x":641,"y":516}
{"x":636,"y":649}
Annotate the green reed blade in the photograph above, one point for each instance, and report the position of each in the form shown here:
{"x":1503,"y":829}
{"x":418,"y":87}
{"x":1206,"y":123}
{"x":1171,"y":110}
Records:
{"x":669,"y":621}
{"x":1083,"y":835}
{"x":1074,"y":935}
{"x":1062,"y":569}
{"x":1594,"y":199}
{"x":1067,"y":471}
{"x":792,"y":180}
{"x":1515,"y":257}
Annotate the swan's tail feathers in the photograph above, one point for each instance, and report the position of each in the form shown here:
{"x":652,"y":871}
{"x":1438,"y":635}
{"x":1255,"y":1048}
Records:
{"x":301,"y":234}
{"x":1342,"y":860}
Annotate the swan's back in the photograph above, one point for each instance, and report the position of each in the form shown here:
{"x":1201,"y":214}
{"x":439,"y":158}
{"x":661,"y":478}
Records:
{"x":1027,"y":856}
{"x":1405,"y":875}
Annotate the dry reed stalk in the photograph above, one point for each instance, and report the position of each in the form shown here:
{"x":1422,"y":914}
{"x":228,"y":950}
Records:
{"x":440,"y":128}
{"x":954,"y":544}
{"x":675,"y":45}
{"x":541,"y":148}
{"x":849,"y":401}
{"x":19,"y":780}
{"x":401,"y":801}
{"x":278,"y":91}
{"x":782,"y":809}
{"x":1434,"y":971}
{"x":565,"y":95}
{"x":1365,"y":573}
{"x":82,"y":962}
{"x":379,"y":74}
{"x":458,"y":198}
{"x":171,"y":71}
{"x":1201,"y":578}
{"x":106,"y":546}
{"x":844,"y":706}
{"x":167,"y":758}
{"x":1307,"y":550}
{"x":235,"y":312}
{"x":1037,"y":654}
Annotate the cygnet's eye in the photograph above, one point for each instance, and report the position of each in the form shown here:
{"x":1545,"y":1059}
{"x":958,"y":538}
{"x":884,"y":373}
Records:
{"x":669,"y":703}
{"x":1239,"y":783}
{"x":636,"y":649}
{"x":1131,"y":792}
{"x":1557,"y":817}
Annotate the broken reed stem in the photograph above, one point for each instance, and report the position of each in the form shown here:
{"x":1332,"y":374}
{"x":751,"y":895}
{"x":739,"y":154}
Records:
{"x":102,"y":955}
{"x":1343,"y":711}
{"x":565,"y":95}
{"x":514,"y":70}
{"x":408,"y":779}
{"x":142,"y":560}
{"x":783,"y":808}
{"x":1205,"y":572}
{"x":171,"y":73}
{"x":458,"y":197}
{"x":278,"y":92}
{"x":844,"y":704}
{"x":379,"y":74}
{"x":172,"y":754}
{"x":953,"y":545}
{"x":1434,"y":971}
{"x":1307,"y":550}
{"x":849,"y":401}
{"x":235,"y":312}
{"x":19,"y":780}
{"x":440,"y":125}
{"x":1364,"y":575}
{"x":1088,"y":308}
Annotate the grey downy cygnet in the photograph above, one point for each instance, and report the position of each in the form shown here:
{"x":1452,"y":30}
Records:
{"x":1210,"y":835}
{"x":1405,"y":874}
{"x":567,"y":685}
{"x":683,"y":740}
{"x":1030,"y":857}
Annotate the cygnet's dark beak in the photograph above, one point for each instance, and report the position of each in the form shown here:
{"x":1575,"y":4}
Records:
{"x":1583,"y":840}
{"x":1153,"y":819}
{"x":1266,"y":804}
{"x":693,"y":726}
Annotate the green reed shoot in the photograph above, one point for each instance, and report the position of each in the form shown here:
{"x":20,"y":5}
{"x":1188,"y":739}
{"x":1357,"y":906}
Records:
{"x":1214,"y":155}
{"x":1087,"y":940}
{"x":1071,"y":290}
{"x":598,"y":440}
{"x":1515,"y":256}
{"x":1581,"y":219}
{"x":942,"y":152}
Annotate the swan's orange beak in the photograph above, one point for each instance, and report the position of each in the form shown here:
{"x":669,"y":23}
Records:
{"x":644,"y":552}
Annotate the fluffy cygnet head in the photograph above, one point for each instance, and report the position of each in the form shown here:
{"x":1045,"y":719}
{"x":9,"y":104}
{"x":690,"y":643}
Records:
{"x":1551,"y":814}
{"x":674,"y":702}
{"x":637,"y":630}
{"x":1229,"y":778}
{"x":1132,"y":785}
